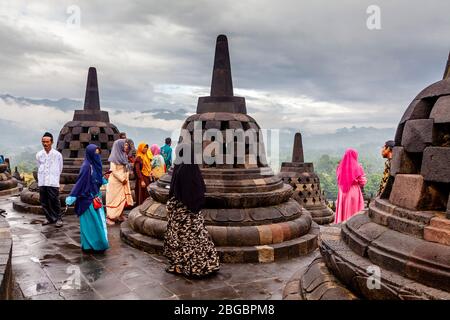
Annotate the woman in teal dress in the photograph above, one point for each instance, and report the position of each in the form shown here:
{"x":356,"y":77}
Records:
{"x":94,"y":236}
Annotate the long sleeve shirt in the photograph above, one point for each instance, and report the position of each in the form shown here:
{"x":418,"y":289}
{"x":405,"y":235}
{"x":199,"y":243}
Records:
{"x":50,"y":166}
{"x":166,"y":152}
{"x":386,"y":174}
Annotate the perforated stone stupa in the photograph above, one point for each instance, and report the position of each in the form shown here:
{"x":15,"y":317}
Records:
{"x":403,"y":239}
{"x":249,"y":211}
{"x":90,"y":125}
{"x":8,"y":184}
{"x":306,"y":184}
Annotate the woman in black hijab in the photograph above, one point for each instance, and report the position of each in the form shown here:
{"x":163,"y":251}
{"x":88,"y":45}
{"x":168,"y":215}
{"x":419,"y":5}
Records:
{"x":187,"y":243}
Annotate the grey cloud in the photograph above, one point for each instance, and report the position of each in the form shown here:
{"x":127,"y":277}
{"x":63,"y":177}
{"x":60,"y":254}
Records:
{"x":165,"y":114}
{"x":320,"y":49}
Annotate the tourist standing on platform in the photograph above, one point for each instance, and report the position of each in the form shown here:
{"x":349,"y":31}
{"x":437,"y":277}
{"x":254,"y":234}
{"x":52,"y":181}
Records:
{"x":142,"y":172}
{"x":118,"y":191}
{"x":166,"y":152}
{"x":158,"y":163}
{"x":187,"y":243}
{"x":350,"y":178}
{"x":131,"y":148}
{"x":87,"y":197}
{"x":150,"y":156}
{"x":50,"y":165}
{"x":387,"y":181}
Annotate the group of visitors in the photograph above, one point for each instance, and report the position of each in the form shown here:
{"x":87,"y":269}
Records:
{"x":148,"y":165}
{"x":187,"y":243}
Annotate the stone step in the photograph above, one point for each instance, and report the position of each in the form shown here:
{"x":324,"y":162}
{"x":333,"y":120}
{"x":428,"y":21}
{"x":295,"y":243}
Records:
{"x":234,"y":254}
{"x":416,"y":258}
{"x":438,"y":231}
{"x":440,"y":223}
{"x":397,"y":223}
{"x":315,"y":282}
{"x":409,"y":268}
{"x":437,"y":235}
{"x":419,"y":216}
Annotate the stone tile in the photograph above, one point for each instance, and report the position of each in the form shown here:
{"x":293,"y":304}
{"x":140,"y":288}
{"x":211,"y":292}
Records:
{"x":261,"y":290}
{"x":152,"y":292}
{"x":109,"y":287}
{"x":27,"y":273}
{"x":182,"y":285}
{"x":266,"y":254}
{"x":221,"y":293}
{"x":126,"y":296}
{"x":36,"y":287}
{"x":88,"y":295}
{"x":48,"y":296}
{"x":243,"y":273}
{"x":94,"y":275}
{"x":138,"y":281}
{"x":123,"y":272}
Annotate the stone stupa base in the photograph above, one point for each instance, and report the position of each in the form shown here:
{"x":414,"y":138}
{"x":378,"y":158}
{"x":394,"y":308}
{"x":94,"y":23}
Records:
{"x":407,"y":247}
{"x":294,"y":235}
{"x":29,"y":201}
{"x":248,"y":254}
{"x":8,"y":184}
{"x":11,"y":192}
{"x":321,"y":214}
{"x":315,"y":282}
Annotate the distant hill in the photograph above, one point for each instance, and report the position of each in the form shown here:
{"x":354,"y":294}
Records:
{"x":63,"y":104}
{"x":17,"y":141}
{"x":367,"y":140}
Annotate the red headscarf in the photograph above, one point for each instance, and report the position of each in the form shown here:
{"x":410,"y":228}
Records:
{"x":348,"y":170}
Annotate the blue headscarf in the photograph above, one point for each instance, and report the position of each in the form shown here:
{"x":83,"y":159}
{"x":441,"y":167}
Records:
{"x":89,"y":180}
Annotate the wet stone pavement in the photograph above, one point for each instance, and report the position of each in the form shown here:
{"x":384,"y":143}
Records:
{"x":49,"y":264}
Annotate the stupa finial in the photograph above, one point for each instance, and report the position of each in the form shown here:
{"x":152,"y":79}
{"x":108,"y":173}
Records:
{"x":447,"y":68}
{"x":297,"y":152}
{"x":92,"y":100}
{"x":222,"y":84}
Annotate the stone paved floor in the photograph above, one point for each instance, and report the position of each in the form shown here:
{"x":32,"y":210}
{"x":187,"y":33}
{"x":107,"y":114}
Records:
{"x":45,"y":257}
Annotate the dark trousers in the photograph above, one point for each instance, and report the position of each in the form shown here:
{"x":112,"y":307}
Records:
{"x":49,"y":197}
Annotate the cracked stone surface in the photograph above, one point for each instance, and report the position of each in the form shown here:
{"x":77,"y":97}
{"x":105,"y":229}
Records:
{"x":46,"y":259}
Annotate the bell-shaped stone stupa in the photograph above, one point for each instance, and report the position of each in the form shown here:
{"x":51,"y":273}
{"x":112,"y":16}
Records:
{"x":8,"y":184}
{"x":249,"y":211}
{"x":90,"y":125}
{"x":306,"y":184}
{"x":400,"y":248}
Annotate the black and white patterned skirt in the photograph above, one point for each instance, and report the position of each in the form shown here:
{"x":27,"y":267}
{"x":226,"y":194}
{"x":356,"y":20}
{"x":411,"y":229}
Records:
{"x":187,"y":243}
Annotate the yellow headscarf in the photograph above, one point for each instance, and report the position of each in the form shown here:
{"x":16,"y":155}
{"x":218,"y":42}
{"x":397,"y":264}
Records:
{"x":146,"y":159}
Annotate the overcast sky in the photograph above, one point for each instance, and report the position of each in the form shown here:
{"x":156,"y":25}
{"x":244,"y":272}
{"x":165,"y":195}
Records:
{"x":311,"y":65}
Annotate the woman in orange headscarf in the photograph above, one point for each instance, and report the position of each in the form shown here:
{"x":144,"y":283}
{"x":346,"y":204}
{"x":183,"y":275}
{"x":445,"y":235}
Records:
{"x":142,"y":171}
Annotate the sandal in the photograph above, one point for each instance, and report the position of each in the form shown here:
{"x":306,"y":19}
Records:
{"x":110,"y":222}
{"x":174,"y":270}
{"x":170,"y":269}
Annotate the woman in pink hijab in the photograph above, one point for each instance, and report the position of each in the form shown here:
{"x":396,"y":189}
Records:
{"x":350,"y":178}
{"x":158,"y":163}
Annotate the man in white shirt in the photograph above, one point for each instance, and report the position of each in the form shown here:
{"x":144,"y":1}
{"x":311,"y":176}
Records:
{"x":50,"y":165}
